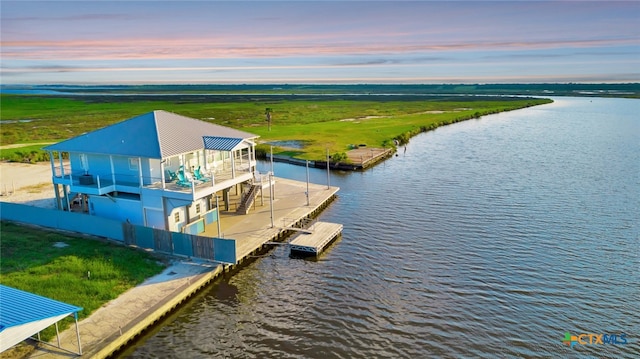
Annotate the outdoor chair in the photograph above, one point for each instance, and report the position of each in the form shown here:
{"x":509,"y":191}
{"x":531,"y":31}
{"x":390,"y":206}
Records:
{"x":170,"y":176}
{"x":199,"y":176}
{"x":182,"y":180}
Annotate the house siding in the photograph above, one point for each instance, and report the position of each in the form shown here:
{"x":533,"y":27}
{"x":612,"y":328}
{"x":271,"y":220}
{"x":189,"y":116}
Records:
{"x":154,"y":218}
{"x":123,"y":173}
{"x":153,"y":207}
{"x":120,"y":209}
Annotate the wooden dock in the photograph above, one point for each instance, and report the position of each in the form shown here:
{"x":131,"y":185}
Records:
{"x":316,"y":240}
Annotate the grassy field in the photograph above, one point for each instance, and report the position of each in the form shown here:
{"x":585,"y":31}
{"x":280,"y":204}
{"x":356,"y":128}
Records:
{"x":320,"y":122}
{"x":87,"y":272}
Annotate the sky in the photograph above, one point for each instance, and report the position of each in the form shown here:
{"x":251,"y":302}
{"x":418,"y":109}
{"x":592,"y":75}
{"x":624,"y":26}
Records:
{"x":195,"y":42}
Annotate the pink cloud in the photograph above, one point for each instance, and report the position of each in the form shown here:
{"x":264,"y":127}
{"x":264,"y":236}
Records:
{"x":203,"y":49}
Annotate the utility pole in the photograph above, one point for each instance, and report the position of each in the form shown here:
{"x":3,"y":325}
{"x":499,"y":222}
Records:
{"x":272,"y":193}
{"x":271,"y":196}
{"x":328,"y":175}
{"x":307,"y":193}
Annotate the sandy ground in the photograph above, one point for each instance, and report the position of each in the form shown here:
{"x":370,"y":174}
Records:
{"x":27,"y":183}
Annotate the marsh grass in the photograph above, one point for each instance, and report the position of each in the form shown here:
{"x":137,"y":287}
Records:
{"x":87,"y":272}
{"x":323,"y":123}
{"x":30,"y":153}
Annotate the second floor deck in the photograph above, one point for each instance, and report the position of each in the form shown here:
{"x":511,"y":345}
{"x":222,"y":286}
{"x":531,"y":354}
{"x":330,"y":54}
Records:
{"x":188,"y":187}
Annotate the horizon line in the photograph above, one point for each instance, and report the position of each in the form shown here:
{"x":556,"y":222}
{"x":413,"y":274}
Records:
{"x":321,"y":83}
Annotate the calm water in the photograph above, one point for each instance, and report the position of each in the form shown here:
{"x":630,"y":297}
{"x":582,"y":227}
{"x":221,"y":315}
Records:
{"x":487,"y":238}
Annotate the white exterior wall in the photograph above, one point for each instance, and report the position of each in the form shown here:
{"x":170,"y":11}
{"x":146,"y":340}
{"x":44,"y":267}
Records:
{"x":194,"y":214}
{"x":182,"y":220}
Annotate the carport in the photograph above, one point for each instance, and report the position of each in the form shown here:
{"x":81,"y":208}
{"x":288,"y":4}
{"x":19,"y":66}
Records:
{"x":24,"y":314}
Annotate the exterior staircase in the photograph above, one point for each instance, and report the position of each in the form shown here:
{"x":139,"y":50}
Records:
{"x":248,"y":199}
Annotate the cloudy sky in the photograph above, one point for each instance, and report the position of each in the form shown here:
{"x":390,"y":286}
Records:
{"x":125,"y":42}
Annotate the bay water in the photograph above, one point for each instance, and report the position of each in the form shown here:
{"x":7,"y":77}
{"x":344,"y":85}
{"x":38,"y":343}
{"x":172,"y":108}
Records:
{"x":487,"y":238}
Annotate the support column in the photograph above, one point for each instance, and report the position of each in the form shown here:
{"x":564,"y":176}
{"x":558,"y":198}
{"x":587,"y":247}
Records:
{"x":162,"y":179}
{"x":66,"y":197}
{"x":166,"y":215}
{"x":75,"y":315}
{"x":225,"y":194}
{"x":233,"y":165}
{"x":56,"y":190}
{"x":52,"y":160}
{"x":140,"y":171}
{"x":188,"y":213}
{"x":61,"y":164}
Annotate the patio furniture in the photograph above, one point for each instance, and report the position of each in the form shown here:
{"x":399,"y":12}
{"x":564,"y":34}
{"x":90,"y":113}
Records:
{"x":170,"y":176}
{"x":199,"y":176}
{"x":85,"y":179}
{"x":182,"y":180}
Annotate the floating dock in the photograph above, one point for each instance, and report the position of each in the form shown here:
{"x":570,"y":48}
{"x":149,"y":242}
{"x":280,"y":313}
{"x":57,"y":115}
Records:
{"x":313,"y":241}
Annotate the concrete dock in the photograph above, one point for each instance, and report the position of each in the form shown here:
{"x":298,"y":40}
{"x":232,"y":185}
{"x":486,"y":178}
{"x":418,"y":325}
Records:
{"x":120,"y":321}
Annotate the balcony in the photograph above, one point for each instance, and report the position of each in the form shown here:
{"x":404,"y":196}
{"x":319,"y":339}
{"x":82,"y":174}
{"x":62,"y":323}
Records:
{"x":100,"y":184}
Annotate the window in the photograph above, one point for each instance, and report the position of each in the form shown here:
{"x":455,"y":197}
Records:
{"x":133,"y":164}
{"x":176,"y":217}
{"x":198,"y":208}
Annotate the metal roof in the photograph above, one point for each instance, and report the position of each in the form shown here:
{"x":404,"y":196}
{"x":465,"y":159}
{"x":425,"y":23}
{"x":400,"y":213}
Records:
{"x":29,"y":311}
{"x":158,"y":134}
{"x":221,"y":143}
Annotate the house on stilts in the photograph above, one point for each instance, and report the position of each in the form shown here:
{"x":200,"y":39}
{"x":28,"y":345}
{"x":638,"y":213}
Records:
{"x":159,"y":170}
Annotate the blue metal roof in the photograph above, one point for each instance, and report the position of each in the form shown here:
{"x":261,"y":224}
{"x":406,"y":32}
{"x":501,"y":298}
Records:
{"x":136,"y":137}
{"x":221,"y":143}
{"x":19,"y":307}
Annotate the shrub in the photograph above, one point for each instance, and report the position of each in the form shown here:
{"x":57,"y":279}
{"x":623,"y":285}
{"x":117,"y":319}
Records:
{"x":339,"y":157}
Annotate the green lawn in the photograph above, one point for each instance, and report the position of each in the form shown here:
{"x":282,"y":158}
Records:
{"x":87,"y":272}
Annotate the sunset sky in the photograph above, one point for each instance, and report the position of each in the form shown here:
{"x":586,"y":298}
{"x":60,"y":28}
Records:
{"x":130,"y":42}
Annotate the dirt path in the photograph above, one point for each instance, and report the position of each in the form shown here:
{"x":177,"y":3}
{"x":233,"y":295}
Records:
{"x":18,"y":145}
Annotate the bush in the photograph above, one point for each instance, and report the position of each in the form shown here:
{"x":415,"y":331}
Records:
{"x":339,"y":157}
